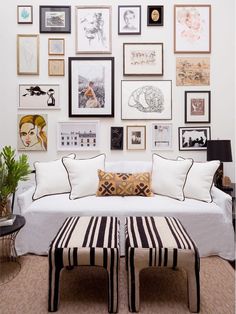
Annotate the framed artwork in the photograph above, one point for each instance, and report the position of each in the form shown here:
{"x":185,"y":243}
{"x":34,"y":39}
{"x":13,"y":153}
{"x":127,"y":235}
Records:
{"x":155,"y":15}
{"x":41,"y":96}
{"x":146,"y":100}
{"x":56,"y":46}
{"x":27,"y":54}
{"x":81,"y":135}
{"x":194,"y":138}
{"x":117,"y":137}
{"x":192,"y":71}
{"x":192,"y":28}
{"x":32,"y":132}
{"x":197,"y":107}
{"x":129,"y":19}
{"x":143,"y":59}
{"x":55,"y":19}
{"x":56,"y":67}
{"x":93,"y":29}
{"x":25,"y":14}
{"x":136,"y":137}
{"x":161,"y":136}
{"x":91,"y":87}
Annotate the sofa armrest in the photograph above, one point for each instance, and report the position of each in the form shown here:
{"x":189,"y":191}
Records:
{"x":224,"y":201}
{"x":25,"y":199}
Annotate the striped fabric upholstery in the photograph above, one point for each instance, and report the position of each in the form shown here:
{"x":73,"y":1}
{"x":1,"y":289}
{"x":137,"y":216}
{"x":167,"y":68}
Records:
{"x":160,"y":242}
{"x":90,"y":241}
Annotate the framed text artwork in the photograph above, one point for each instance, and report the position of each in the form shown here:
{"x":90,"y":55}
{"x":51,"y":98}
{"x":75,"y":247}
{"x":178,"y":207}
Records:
{"x":25,"y":14}
{"x":27,"y":54}
{"x":155,"y":15}
{"x":197,"y":107}
{"x":129,"y":19}
{"x":91,"y":87}
{"x":117,"y":137}
{"x":136,"y":137}
{"x":194,"y":138}
{"x":161,"y":136}
{"x":55,"y":19}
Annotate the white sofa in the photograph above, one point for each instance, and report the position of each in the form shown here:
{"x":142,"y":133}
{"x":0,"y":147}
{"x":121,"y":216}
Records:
{"x":209,"y":224}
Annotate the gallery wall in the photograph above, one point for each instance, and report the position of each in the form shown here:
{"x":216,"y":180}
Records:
{"x":222,"y":78}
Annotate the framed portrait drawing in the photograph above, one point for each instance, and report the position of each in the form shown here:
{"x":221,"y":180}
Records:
{"x":155,"y":15}
{"x":192,"y":28}
{"x":117,"y":137}
{"x":194,"y":138}
{"x":91,"y":87}
{"x":136,"y":137}
{"x":56,"y":46}
{"x":80,"y":135}
{"x":55,"y":19}
{"x":161,"y":136}
{"x":143,"y":59}
{"x":197,"y":107}
{"x":129,"y":19}
{"x":25,"y":14}
{"x":56,"y":67}
{"x":93,"y":29}
{"x":27,"y":54}
{"x":146,"y":100}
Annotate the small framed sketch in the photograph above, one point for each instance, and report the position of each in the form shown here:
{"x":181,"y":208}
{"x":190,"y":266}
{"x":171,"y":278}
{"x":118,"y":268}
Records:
{"x":41,"y":96}
{"x":194,"y":138}
{"x":93,"y":29}
{"x":55,"y":19}
{"x":117,"y":137}
{"x":192,"y":28}
{"x":81,"y":135}
{"x":197,"y":107}
{"x":161,"y":136}
{"x":155,"y":15}
{"x":129,"y":19}
{"x":136,"y":137}
{"x":143,"y":59}
{"x":56,"y":46}
{"x":25,"y":14}
{"x":56,"y":67}
{"x":27,"y":54}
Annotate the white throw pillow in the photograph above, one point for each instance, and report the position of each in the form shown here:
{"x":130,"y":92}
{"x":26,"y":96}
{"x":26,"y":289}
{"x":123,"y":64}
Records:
{"x":51,"y":178}
{"x":83,"y":175}
{"x":169,"y":176}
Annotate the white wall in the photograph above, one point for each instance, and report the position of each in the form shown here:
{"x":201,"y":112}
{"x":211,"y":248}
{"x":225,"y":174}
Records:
{"x":222,"y":77}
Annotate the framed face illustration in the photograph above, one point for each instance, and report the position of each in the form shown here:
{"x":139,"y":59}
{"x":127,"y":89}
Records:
{"x":129,"y":20}
{"x":155,"y":15}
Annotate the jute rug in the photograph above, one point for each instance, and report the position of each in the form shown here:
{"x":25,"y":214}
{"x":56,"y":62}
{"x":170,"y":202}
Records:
{"x":84,"y":290}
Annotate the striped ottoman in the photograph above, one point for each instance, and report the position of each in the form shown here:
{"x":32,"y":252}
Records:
{"x":160,"y":242}
{"x":85,"y":241}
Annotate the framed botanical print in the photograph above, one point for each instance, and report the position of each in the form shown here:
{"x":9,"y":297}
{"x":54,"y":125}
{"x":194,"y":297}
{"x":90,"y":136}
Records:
{"x":136,"y":137}
{"x":197,"y":107}
{"x":27,"y":54}
{"x":25,"y":14}
{"x":143,"y":58}
{"x":194,"y":138}
{"x":117,"y":137}
{"x":56,"y":67}
{"x":91,"y":87}
{"x":55,"y":19}
{"x":129,"y":19}
{"x":56,"y":46}
{"x":161,"y":136}
{"x":155,"y":15}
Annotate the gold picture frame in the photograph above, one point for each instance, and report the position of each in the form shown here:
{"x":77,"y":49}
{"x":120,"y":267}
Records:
{"x":56,"y":46}
{"x":27,"y":54}
{"x":56,"y":67}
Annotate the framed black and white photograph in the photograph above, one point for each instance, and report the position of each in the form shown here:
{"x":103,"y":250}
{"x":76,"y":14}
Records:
{"x":197,"y":107}
{"x":194,"y":138}
{"x":136,"y":137}
{"x":91,"y":87}
{"x":93,"y":29}
{"x":80,"y":135}
{"x":25,"y":14}
{"x":117,"y":137}
{"x":161,"y":136}
{"x":27,"y":54}
{"x":55,"y":19}
{"x":146,"y":100}
{"x":129,"y":19}
{"x":56,"y":46}
{"x":155,"y":15}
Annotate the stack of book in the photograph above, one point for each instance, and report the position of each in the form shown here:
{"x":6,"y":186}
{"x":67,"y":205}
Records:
{"x":7,"y":221}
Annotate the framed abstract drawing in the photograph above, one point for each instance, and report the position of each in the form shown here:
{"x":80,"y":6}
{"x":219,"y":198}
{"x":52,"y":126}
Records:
{"x":194,"y":138}
{"x":117,"y":137}
{"x":161,"y":136}
{"x":129,"y":19}
{"x":55,"y":19}
{"x":155,"y":15}
{"x":197,"y":107}
{"x":56,"y":67}
{"x":27,"y":54}
{"x":56,"y":46}
{"x":136,"y":137}
{"x":25,"y":14}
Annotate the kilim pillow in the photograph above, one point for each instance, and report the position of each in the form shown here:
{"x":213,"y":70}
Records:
{"x":124,"y":184}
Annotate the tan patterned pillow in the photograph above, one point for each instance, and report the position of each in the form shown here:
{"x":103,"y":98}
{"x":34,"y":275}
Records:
{"x":124,"y":184}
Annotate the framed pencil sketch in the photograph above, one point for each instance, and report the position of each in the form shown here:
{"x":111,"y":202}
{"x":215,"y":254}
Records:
{"x":197,"y":107}
{"x":56,"y":46}
{"x":136,"y":137}
{"x":117,"y":137}
{"x":80,"y":135}
{"x":161,"y":136}
{"x":55,"y":19}
{"x":27,"y":54}
{"x":192,"y":28}
{"x":194,"y":138}
{"x":129,"y":19}
{"x":93,"y":29}
{"x":146,"y":100}
{"x":56,"y":67}
{"x":155,"y":15}
{"x":143,"y":59}
{"x":91,"y":87}
{"x":25,"y":14}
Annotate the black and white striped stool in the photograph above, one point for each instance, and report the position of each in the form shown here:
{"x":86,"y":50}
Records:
{"x":85,"y":241}
{"x":160,"y":242}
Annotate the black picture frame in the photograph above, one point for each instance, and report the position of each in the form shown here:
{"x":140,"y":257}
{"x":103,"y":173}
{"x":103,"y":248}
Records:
{"x":197,"y":107}
{"x":194,"y":138}
{"x":44,"y":18}
{"x":155,"y":15}
{"x":131,"y":25}
{"x":117,"y":138}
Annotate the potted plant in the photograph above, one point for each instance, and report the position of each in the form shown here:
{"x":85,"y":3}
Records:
{"x":11,"y":172}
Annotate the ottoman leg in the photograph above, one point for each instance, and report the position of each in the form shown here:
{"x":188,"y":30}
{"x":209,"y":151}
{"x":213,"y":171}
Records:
{"x":193,"y":290}
{"x":133,"y":283}
{"x":113,"y":281}
{"x":53,"y":292}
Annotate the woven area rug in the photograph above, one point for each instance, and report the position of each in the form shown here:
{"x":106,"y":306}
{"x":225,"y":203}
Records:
{"x":84,"y":290}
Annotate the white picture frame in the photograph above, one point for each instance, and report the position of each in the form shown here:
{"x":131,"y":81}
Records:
{"x":27,"y":54}
{"x":161,"y":136}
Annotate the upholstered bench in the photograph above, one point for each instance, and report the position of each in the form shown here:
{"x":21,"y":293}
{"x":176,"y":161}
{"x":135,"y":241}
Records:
{"x":160,"y":242}
{"x":85,"y":241}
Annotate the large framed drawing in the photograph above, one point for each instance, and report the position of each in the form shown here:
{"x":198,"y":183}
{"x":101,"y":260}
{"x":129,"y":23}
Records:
{"x":192,"y":28}
{"x":93,"y":29}
{"x":129,"y":19}
{"x":136,"y":137}
{"x":91,"y":87}
{"x":27,"y":54}
{"x":143,"y":58}
{"x":146,"y":100}
{"x":161,"y":136}
{"x":81,"y":135}
{"x":194,"y":138}
{"x":55,"y":19}
{"x":197,"y":107}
